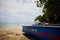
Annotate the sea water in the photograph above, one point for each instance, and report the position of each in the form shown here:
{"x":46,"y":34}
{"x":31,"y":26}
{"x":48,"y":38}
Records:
{"x":8,"y":25}
{"x":12,"y":25}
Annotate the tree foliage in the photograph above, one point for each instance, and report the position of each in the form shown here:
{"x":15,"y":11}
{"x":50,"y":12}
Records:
{"x":39,"y":18}
{"x":51,"y":10}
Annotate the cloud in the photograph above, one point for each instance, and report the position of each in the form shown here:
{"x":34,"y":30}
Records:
{"x":18,"y":10}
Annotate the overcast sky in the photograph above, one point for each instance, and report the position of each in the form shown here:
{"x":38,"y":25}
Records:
{"x":18,"y":11}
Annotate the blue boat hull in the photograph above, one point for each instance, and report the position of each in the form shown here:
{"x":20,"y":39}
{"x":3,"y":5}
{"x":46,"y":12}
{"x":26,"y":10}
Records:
{"x":44,"y":33}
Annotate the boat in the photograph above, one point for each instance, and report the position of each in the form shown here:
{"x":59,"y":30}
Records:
{"x":43,"y":31}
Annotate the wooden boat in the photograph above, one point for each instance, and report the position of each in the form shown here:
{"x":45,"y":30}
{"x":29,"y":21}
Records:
{"x":44,"y":32}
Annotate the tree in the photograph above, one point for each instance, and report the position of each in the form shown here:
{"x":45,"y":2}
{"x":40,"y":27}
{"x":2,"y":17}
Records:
{"x":51,"y":10}
{"x":39,"y":18}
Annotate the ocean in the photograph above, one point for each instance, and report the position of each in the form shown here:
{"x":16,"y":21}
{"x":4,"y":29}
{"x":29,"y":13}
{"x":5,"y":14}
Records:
{"x":13,"y":25}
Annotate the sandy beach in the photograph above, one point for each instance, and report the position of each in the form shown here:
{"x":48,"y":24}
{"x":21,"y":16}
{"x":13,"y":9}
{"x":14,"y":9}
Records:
{"x":12,"y":34}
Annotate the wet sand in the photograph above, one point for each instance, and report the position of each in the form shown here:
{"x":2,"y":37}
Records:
{"x":12,"y":34}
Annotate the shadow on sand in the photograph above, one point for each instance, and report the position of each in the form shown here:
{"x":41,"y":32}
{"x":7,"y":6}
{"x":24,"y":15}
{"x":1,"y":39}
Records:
{"x":31,"y":37}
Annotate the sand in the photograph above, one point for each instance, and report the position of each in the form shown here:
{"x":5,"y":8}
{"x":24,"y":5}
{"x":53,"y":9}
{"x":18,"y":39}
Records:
{"x":12,"y":34}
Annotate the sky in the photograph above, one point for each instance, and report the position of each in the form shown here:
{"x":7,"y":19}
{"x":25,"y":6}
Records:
{"x":18,"y":11}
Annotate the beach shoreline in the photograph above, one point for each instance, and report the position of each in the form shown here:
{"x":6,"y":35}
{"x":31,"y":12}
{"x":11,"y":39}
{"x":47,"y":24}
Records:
{"x":12,"y":34}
